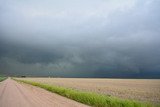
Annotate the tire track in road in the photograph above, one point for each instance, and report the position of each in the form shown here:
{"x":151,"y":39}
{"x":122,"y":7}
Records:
{"x":1,"y":95}
{"x":24,"y":96}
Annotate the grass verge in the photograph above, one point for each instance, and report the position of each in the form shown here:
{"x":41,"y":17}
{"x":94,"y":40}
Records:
{"x":92,"y":99}
{"x":2,"y":78}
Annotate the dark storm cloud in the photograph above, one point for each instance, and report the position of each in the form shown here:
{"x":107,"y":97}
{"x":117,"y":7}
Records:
{"x":80,"y":38}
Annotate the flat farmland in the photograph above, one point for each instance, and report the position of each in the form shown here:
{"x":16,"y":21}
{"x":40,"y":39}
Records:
{"x":147,"y":90}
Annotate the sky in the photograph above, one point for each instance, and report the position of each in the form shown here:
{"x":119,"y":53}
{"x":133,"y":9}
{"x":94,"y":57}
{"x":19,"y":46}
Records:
{"x":80,"y":38}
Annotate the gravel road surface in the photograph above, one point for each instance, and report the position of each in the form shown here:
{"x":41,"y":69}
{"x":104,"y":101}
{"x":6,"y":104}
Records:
{"x":14,"y":94}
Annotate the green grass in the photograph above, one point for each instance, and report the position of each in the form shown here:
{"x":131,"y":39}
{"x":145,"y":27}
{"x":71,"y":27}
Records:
{"x":92,"y":99}
{"x":2,"y":78}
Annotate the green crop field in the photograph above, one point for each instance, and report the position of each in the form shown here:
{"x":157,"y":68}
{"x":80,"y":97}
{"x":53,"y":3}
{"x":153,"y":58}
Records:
{"x":2,"y":78}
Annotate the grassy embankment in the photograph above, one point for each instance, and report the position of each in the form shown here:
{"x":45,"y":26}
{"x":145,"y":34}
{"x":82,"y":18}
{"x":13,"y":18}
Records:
{"x":92,"y":99}
{"x":2,"y":78}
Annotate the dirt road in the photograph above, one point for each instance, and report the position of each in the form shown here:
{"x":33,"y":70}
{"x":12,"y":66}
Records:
{"x":13,"y":94}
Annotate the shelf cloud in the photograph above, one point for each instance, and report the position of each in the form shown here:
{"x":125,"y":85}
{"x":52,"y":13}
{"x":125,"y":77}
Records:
{"x":80,"y":38}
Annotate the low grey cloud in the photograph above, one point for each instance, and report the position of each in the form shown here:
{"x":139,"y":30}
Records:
{"x":80,"y":38}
